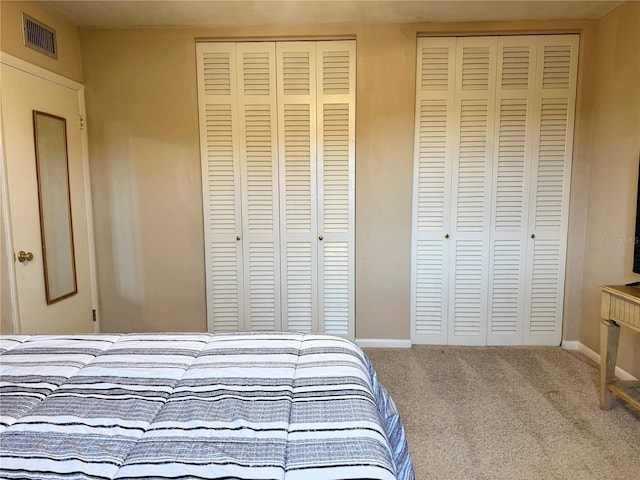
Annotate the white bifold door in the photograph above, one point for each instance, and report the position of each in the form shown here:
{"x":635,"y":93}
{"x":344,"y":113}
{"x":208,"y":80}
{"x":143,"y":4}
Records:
{"x":492,"y":167}
{"x":277,"y":136}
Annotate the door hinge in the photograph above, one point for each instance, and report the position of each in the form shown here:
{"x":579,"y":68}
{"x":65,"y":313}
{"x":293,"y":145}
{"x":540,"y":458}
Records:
{"x":93,"y":313}
{"x":81,"y":123}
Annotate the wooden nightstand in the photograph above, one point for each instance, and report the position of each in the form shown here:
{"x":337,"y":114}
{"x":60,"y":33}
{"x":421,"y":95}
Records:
{"x":620,"y":306}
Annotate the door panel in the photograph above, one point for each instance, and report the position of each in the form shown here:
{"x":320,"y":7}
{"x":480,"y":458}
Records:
{"x":556,"y":75}
{"x":258,"y":131}
{"x":336,"y":185}
{"x":298,"y":184}
{"x":514,"y":118}
{"x":220,"y":157}
{"x":434,"y":139}
{"x":471,"y":189}
{"x":28,"y":92}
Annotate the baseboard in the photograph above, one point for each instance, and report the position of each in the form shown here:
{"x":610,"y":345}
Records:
{"x":575,"y":345}
{"x":382,"y":343}
{"x":571,"y":345}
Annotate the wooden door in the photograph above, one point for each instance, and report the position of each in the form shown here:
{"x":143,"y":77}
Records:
{"x":433,"y":162}
{"x":556,"y":77}
{"x":493,"y":140}
{"x":277,"y":126}
{"x":22,"y":94}
{"x":512,"y":160}
{"x":474,"y":101}
{"x":336,"y":66}
{"x":222,"y":203}
{"x":258,"y":134}
{"x":298,"y":185}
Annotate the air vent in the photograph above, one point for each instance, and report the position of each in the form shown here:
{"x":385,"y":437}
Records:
{"x":39,"y":36}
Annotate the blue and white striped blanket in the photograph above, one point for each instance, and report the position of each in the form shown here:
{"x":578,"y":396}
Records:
{"x":280,"y":406}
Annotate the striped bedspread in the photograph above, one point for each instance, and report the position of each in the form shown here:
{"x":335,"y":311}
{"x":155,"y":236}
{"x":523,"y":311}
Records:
{"x":280,"y":406}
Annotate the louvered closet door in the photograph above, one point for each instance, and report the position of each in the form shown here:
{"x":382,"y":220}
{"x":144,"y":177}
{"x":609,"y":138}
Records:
{"x":335,"y":95}
{"x":556,"y":74}
{"x":502,"y":270}
{"x":221,"y":184}
{"x":256,"y":77}
{"x":298,"y":184}
{"x":514,"y":120}
{"x":474,"y":102}
{"x":433,"y":146}
{"x":220,"y":159}
{"x":278,"y":148}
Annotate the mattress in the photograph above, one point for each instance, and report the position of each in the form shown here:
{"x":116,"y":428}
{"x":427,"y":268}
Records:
{"x":280,"y":406}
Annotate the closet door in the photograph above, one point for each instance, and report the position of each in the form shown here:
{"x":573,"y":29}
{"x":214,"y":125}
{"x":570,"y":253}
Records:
{"x":474,"y":102}
{"x":435,"y":127}
{"x":556,"y":75}
{"x":298,"y":184}
{"x":512,"y":159}
{"x":258,"y":117}
{"x":278,"y":149}
{"x":335,"y":96}
{"x":316,"y":93}
{"x":491,"y":176}
{"x":452,"y":189}
{"x":220,"y":160}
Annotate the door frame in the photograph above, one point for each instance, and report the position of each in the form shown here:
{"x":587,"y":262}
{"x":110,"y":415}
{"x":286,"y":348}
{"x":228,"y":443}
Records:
{"x":29,"y":68}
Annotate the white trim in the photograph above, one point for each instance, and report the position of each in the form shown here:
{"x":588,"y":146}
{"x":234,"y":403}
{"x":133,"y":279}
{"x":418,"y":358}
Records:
{"x":382,"y":343}
{"x":8,"y":231}
{"x":576,"y":345}
{"x":19,"y":64}
{"x":88,"y":199}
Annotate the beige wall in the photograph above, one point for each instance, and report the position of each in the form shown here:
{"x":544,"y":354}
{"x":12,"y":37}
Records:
{"x":615,"y":151}
{"x":68,"y":63}
{"x":143,"y":137}
{"x":142,"y":116}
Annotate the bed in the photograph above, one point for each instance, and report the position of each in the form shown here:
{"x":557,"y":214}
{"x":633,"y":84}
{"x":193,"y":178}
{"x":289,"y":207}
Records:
{"x":268,"y":406}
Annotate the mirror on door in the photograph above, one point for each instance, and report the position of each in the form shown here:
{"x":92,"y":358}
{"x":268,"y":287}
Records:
{"x":56,"y":231}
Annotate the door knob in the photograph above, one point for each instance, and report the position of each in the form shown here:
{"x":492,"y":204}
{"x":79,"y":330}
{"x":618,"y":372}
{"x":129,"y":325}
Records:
{"x":446,"y":235}
{"x":238,"y":238}
{"x":533,"y":235}
{"x":24,"y":256}
{"x":320,"y":237}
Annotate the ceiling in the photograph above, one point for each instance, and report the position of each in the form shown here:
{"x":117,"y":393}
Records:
{"x":234,"y":13}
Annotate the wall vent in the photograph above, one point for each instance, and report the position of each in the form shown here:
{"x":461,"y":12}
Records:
{"x":39,"y":36}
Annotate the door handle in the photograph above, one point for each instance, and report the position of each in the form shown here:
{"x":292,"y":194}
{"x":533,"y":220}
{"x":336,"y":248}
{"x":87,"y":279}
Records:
{"x":24,"y":256}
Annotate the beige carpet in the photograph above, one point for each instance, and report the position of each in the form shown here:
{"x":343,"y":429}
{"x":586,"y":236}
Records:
{"x":508,"y":413}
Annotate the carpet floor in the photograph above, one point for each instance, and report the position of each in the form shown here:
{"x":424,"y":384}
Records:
{"x":508,"y":413}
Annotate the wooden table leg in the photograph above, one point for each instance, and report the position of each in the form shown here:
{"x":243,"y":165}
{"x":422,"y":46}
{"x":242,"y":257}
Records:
{"x":609,"y":335}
